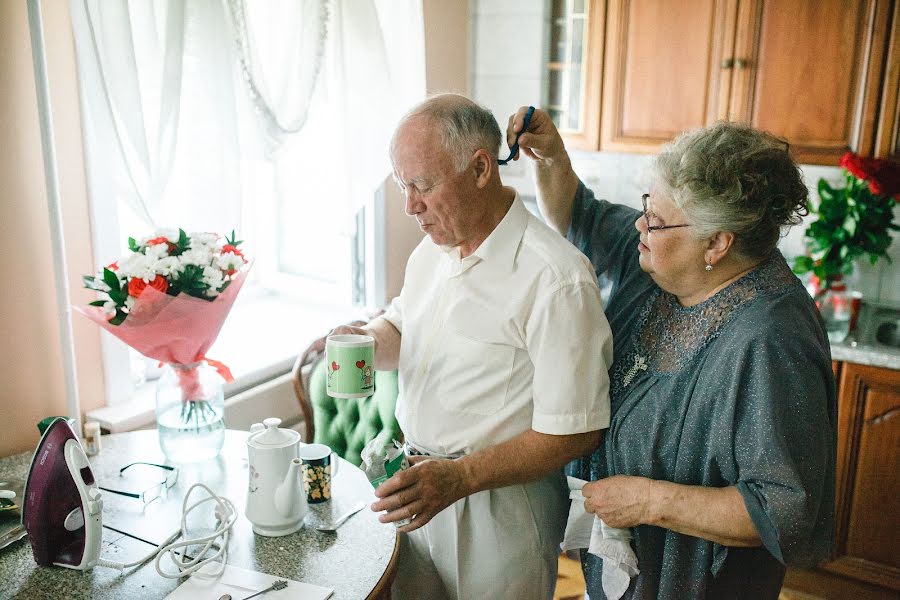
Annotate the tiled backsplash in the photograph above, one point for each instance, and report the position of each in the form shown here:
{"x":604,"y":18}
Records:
{"x":507,"y":57}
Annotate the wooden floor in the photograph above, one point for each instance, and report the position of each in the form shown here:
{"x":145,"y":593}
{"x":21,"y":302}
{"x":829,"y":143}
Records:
{"x":570,"y":583}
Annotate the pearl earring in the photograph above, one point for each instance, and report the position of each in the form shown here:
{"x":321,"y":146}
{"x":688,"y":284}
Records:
{"x":708,"y":267}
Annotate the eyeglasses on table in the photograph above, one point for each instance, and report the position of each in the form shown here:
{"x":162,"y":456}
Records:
{"x":155,"y":490}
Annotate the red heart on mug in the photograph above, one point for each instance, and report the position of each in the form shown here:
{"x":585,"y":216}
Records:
{"x":360,"y":364}
{"x":335,"y":366}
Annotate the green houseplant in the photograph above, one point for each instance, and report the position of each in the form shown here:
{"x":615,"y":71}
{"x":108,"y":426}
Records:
{"x":851,"y":221}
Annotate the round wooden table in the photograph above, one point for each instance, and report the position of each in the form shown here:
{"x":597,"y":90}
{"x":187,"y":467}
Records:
{"x":357,"y":561}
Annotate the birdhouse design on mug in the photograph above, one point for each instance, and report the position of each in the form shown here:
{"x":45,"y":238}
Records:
{"x":366,"y":373}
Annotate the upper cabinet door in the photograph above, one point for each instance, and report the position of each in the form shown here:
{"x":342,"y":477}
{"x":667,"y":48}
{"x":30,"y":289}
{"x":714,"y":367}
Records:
{"x":665,"y":69}
{"x":811,"y":72}
{"x":887,"y":137}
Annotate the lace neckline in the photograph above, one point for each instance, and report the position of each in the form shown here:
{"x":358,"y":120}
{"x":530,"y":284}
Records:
{"x":668,"y":335}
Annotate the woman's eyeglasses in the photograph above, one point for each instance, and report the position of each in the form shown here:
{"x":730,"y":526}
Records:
{"x":652,"y":228}
{"x":154,"y":491}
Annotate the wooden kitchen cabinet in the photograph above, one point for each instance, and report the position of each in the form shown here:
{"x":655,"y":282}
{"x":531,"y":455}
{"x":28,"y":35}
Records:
{"x":887,"y":137}
{"x":811,"y":71}
{"x":865,"y":560}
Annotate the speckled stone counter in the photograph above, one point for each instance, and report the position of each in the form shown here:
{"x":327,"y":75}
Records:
{"x":865,"y":354}
{"x":352,"y":561}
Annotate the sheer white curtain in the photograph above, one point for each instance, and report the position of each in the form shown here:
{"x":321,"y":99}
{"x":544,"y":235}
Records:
{"x":280,"y":44}
{"x":162,"y":82}
{"x":158,"y":104}
{"x":135,"y":111}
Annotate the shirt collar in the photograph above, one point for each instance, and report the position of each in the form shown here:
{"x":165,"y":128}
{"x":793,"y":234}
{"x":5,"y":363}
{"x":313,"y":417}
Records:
{"x":500,"y":247}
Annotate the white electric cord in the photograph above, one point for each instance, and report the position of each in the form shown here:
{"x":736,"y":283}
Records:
{"x":226,"y":515}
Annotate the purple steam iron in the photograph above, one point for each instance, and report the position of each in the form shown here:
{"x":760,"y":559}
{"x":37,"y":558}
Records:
{"x":62,"y":506}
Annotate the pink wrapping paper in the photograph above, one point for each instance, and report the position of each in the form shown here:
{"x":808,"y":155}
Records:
{"x":172,"y":329}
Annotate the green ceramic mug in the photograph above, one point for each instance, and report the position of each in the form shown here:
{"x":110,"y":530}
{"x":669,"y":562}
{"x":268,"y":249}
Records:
{"x":350,"y":365}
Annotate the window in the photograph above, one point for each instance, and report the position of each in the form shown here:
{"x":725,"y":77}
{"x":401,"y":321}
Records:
{"x":173,"y":131}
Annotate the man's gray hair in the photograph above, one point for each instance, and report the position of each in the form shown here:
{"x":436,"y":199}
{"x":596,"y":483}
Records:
{"x":731,"y":177}
{"x":464,"y":126}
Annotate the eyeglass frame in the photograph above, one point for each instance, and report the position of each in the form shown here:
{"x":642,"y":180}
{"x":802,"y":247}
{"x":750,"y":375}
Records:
{"x":652,"y":228}
{"x":167,"y":483}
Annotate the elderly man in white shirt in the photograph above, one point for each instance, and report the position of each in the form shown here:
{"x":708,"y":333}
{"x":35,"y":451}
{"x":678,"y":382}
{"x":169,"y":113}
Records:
{"x":502,"y":349}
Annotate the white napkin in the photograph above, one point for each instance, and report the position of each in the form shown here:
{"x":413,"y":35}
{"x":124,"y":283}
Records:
{"x":585,"y":530}
{"x":242,"y":582}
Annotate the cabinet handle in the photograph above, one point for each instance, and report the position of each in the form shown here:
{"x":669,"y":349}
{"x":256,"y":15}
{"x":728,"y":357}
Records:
{"x":727,"y":63}
{"x":741,"y":63}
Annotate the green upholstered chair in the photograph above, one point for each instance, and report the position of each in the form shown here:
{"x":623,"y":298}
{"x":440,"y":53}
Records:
{"x":343,"y":424}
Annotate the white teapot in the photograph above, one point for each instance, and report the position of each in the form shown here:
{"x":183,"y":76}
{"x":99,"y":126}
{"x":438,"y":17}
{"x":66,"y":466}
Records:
{"x":276,"y":503}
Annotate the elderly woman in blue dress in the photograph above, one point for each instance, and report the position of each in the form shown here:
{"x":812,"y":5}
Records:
{"x":720,"y":453}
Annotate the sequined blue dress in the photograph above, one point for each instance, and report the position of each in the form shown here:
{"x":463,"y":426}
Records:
{"x":735,"y":391}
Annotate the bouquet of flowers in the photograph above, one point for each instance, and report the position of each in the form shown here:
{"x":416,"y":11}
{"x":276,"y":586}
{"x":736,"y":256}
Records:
{"x":168,"y":298}
{"x":851,"y":221}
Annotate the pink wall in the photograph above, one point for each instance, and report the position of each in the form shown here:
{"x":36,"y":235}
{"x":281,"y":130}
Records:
{"x":31,"y":372}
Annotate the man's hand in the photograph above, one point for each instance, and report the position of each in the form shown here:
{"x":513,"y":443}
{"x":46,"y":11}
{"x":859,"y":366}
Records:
{"x":541,"y":142}
{"x":555,"y":181}
{"x":420,"y":492}
{"x":353,"y":330}
{"x":387,"y":341}
{"x":621,"y":500}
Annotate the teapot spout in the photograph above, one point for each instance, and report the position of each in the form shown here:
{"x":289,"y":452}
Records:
{"x":289,"y":498}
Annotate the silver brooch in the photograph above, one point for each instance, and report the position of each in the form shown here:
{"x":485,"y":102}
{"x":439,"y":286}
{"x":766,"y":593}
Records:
{"x":640,"y":364}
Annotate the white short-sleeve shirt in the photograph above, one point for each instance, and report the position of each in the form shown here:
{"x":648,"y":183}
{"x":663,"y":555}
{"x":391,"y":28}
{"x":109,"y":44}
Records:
{"x":510,"y":338}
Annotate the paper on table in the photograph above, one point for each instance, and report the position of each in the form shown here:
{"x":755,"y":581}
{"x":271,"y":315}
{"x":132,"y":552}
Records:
{"x":242,"y":582}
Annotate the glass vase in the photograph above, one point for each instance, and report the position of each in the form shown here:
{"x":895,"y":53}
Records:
{"x":836,"y":308}
{"x":190,"y":409}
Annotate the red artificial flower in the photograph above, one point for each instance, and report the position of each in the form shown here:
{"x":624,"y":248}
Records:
{"x":113,"y":266}
{"x":883,"y":175}
{"x":161,"y":240}
{"x":136,"y":285}
{"x":234,"y":250}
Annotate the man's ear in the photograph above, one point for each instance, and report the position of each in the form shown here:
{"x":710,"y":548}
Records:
{"x":719,"y":245}
{"x":484,"y":167}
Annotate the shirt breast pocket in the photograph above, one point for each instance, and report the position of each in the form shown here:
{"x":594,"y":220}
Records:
{"x":479,"y":362}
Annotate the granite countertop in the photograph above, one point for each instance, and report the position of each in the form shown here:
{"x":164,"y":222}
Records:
{"x":866,"y":354}
{"x":351,"y":561}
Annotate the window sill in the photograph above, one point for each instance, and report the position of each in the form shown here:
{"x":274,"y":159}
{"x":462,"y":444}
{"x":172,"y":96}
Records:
{"x":259,"y":342}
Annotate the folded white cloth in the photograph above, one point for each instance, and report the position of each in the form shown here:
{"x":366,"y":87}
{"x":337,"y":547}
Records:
{"x":585,"y":530}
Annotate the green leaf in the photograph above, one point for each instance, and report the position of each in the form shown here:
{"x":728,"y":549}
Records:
{"x":803,"y":264}
{"x":110,"y":279}
{"x":91,"y":283}
{"x":97,"y":303}
{"x":133,"y":245}
{"x":117,"y":320}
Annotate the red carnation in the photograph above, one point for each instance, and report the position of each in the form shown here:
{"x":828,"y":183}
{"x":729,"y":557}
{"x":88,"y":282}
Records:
{"x":883,"y":175}
{"x":161,"y":240}
{"x":234,"y":250}
{"x":136,"y":285}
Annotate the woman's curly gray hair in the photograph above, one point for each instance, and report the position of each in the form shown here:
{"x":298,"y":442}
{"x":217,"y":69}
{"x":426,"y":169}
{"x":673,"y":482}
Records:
{"x":731,"y":177}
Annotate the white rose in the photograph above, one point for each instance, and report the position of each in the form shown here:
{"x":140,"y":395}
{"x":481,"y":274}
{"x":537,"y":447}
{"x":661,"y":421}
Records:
{"x":170,"y":233}
{"x":167,"y":266}
{"x":109,"y":308}
{"x":203,"y":239}
{"x":200,"y":256}
{"x":212,"y":277}
{"x":133,"y":265}
{"x":157,"y":251}
{"x":229,"y":261}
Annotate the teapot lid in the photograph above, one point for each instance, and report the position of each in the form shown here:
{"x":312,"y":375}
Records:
{"x":272,"y":435}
